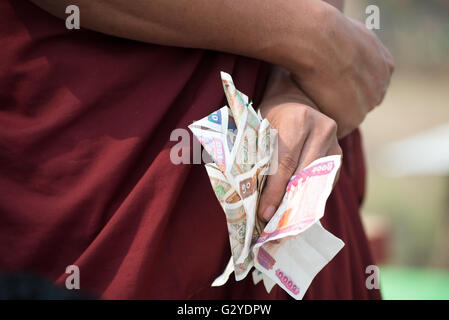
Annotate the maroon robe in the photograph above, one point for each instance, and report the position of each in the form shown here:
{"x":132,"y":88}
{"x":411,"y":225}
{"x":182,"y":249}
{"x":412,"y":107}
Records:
{"x":86,"y":178}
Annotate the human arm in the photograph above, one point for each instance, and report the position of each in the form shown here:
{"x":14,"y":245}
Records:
{"x":344,"y":69}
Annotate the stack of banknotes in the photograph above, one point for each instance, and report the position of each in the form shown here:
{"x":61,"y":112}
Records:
{"x":293,"y":246}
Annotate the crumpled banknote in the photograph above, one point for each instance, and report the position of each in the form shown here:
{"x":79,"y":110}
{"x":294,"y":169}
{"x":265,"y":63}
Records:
{"x":293,"y":246}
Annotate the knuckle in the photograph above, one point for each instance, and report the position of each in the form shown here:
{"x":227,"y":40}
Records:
{"x":288,"y":164}
{"x":381,"y":93}
{"x":389,"y":60}
{"x":377,"y":95}
{"x":391,"y":66}
{"x":330,"y":126}
{"x":337,"y":149}
{"x":300,"y":116}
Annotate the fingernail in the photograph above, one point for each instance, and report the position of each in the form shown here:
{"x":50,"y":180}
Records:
{"x":268,"y":213}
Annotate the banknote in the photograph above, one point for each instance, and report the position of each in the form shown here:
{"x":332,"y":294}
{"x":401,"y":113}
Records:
{"x":293,"y":246}
{"x":304,"y":201}
{"x":237,"y":100}
{"x":231,"y":136}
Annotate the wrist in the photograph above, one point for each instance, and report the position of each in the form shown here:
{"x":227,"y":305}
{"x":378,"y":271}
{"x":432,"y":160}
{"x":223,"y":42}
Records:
{"x":294,"y":40}
{"x":311,"y":44}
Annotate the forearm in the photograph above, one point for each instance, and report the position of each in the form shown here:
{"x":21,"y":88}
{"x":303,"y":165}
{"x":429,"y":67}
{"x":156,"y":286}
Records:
{"x":283,"y":32}
{"x":341,"y":66}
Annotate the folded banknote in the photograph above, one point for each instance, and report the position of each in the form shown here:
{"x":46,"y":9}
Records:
{"x":293,"y":246}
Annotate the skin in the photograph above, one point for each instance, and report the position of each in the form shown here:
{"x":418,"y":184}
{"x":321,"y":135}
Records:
{"x":336,"y":61}
{"x":315,"y":135}
{"x":308,"y":126}
{"x":331,"y":70}
{"x":304,"y":135}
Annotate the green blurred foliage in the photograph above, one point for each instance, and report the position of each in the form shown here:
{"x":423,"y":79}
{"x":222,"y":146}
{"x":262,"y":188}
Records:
{"x":414,"y":284}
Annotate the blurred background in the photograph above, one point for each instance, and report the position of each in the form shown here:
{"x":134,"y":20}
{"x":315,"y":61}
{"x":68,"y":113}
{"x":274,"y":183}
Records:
{"x":406,"y":210}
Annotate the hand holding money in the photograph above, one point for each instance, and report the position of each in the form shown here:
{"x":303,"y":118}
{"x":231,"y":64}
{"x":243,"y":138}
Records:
{"x":304,"y":135}
{"x":293,"y":246}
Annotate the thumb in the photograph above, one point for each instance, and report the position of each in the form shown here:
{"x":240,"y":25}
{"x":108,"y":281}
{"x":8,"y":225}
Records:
{"x":275,"y":187}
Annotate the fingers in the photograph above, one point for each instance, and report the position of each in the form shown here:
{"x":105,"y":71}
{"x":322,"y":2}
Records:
{"x":290,"y":143}
{"x":322,"y":142}
{"x":294,"y":155}
{"x":275,"y":186}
